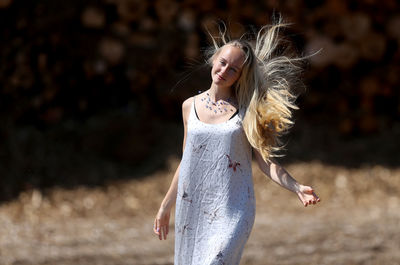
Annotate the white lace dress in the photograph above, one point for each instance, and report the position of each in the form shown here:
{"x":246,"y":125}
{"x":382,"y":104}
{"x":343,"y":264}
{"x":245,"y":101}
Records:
{"x":215,"y":206}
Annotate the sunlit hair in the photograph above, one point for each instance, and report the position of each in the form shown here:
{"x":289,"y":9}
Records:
{"x":265,"y":86}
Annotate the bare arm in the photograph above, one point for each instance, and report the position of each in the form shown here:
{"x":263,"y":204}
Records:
{"x":161,"y":222}
{"x":279,"y":175}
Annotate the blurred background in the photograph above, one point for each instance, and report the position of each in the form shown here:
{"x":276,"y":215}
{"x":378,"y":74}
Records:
{"x":91,"y":130}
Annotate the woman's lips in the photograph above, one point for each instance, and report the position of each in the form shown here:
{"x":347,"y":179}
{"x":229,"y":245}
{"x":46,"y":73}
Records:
{"x":220,"y":77}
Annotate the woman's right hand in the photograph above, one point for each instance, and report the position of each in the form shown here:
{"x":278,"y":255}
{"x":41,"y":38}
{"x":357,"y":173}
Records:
{"x":161,"y":223}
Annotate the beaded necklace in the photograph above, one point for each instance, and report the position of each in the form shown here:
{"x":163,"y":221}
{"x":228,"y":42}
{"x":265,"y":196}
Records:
{"x":219,"y":106}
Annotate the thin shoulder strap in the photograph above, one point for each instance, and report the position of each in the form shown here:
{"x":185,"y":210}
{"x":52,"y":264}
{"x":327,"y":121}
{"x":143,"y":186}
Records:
{"x":234,"y":114}
{"x":194,"y":107}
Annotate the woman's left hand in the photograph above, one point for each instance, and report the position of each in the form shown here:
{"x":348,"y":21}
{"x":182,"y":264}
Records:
{"x":307,"y":195}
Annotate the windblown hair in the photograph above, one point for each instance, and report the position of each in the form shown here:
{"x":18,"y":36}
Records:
{"x":265,"y":86}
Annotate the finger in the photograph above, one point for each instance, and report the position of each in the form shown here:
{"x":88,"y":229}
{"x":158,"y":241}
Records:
{"x":315,"y":195}
{"x":158,"y":229}
{"x":317,"y":199}
{"x":163,"y":232}
{"x":302,"y":199}
{"x":155,"y":226}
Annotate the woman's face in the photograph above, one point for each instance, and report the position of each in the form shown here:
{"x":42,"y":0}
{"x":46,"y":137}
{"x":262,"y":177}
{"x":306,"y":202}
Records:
{"x":227,"y":66}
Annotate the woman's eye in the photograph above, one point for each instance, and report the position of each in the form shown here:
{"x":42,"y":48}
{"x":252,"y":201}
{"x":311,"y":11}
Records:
{"x":222,"y":62}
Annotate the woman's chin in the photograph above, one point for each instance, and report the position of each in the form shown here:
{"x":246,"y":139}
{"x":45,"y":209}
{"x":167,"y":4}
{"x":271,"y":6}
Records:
{"x":219,"y":81}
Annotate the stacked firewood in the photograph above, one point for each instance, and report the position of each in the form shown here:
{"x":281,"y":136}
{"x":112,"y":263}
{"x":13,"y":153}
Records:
{"x":74,"y":59}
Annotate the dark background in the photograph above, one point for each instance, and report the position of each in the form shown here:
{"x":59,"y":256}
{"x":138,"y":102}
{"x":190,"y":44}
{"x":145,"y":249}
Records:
{"x":91,"y":91}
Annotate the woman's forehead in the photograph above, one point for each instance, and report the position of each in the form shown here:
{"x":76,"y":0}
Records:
{"x":234,"y":55}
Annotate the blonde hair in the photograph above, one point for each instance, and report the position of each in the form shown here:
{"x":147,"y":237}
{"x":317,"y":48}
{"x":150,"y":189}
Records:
{"x":265,"y":86}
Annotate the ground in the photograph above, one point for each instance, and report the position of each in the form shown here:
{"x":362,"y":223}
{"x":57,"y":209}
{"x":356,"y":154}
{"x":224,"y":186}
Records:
{"x":356,"y":222}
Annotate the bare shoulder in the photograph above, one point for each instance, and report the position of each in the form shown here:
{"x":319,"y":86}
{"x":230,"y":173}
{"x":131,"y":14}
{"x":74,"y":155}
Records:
{"x":186,"y":105}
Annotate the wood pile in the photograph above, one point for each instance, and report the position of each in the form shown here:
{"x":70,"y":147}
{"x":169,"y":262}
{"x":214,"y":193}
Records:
{"x":74,"y":59}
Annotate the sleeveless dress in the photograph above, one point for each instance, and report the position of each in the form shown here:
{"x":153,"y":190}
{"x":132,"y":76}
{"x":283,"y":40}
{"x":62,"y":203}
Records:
{"x":215,"y":205}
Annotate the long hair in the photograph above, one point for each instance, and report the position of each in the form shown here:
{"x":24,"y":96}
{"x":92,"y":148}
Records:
{"x":265,"y":86}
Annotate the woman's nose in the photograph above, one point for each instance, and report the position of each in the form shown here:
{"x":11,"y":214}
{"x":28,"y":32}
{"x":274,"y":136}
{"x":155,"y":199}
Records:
{"x":224,"y":69}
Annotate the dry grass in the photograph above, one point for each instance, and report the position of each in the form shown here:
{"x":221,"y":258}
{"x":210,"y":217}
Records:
{"x":356,"y":222}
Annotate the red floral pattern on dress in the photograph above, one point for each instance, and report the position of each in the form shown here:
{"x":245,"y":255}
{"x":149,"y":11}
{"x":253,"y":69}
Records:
{"x":233,"y":164}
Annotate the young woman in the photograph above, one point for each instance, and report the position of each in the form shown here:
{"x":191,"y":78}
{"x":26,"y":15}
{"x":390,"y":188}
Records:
{"x":246,"y":109}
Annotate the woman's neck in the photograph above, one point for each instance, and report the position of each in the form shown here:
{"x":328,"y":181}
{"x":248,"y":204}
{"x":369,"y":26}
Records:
{"x":220,"y":93}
